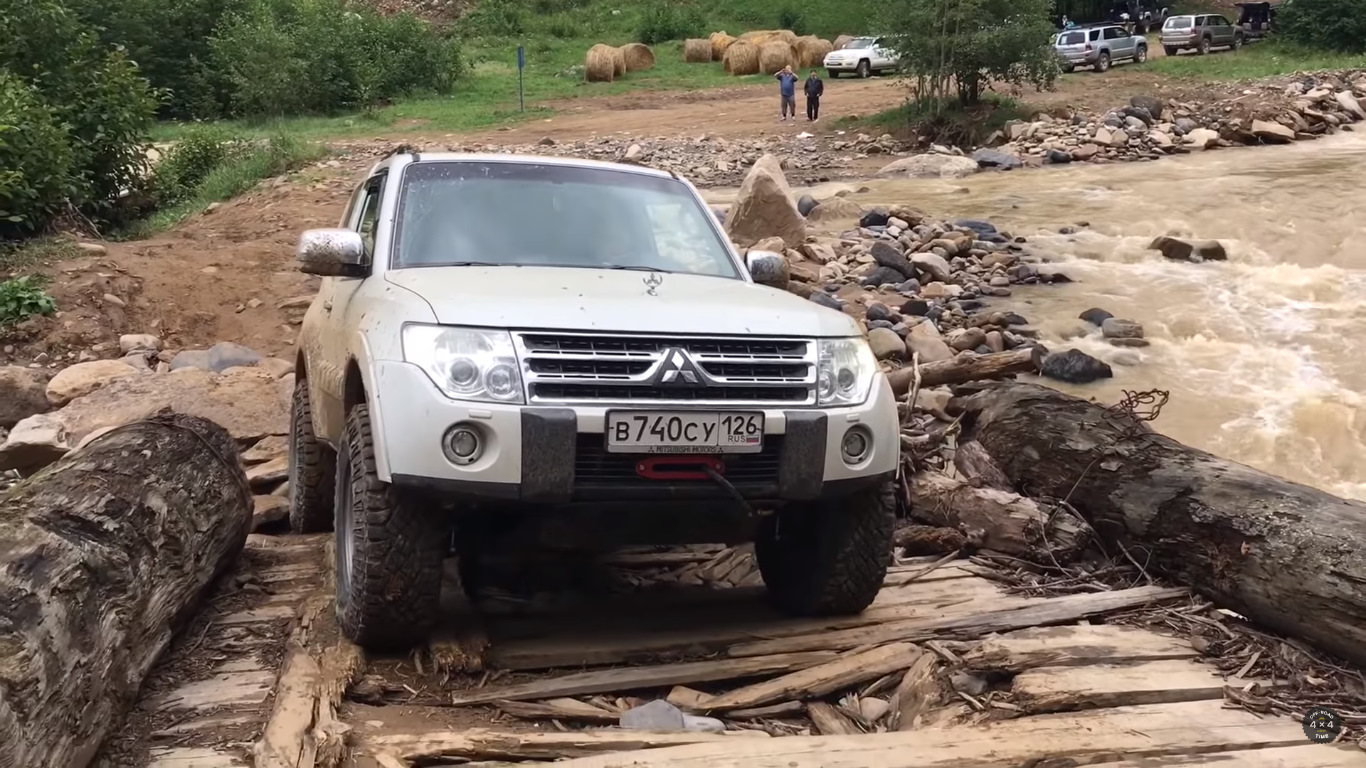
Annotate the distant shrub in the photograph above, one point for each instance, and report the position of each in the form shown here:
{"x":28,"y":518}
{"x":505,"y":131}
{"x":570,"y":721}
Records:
{"x":35,"y":160}
{"x":196,"y":154}
{"x":664,"y":21}
{"x":1338,"y":25}
{"x":497,"y":18}
{"x":791,"y":18}
{"x":283,"y":57}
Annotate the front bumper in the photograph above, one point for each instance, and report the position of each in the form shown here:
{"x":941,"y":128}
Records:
{"x":556,"y":455}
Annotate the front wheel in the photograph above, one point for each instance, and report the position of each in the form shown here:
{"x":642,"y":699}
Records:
{"x":1204,"y":46}
{"x":1103,"y":62}
{"x":311,"y":468}
{"x":829,"y":557}
{"x":1141,"y":55}
{"x":1237,"y":43}
{"x":864,"y":69}
{"x":389,"y":550}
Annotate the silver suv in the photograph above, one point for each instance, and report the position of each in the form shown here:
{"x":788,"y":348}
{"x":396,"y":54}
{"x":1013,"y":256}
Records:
{"x":1201,"y":32}
{"x":1099,"y":47}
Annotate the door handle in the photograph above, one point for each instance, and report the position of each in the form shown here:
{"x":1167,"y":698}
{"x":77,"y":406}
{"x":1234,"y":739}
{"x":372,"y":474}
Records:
{"x":327,"y":305}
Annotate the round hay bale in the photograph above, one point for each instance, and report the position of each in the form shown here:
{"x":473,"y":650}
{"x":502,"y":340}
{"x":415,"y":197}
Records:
{"x":811,"y":51}
{"x":618,"y":63}
{"x":696,"y":51}
{"x":842,"y":41}
{"x":599,"y":66}
{"x":756,"y":33}
{"x":786,"y":35}
{"x":638,"y":56}
{"x":773,"y":56}
{"x":742,"y":58}
{"x":720,"y":41}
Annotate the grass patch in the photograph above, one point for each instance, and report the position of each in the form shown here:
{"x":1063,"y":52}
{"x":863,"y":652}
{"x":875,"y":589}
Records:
{"x":231,"y":177}
{"x":952,"y":124}
{"x":1261,"y":59}
{"x":23,"y":297}
{"x":38,"y":251}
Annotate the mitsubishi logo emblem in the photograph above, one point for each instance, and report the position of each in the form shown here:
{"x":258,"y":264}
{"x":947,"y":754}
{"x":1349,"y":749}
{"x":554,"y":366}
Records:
{"x":652,"y":281}
{"x":678,"y":369}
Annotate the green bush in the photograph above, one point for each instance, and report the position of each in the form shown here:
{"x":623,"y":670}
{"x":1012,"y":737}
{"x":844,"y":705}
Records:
{"x":35,"y":160}
{"x":662,"y":22}
{"x":93,"y":90}
{"x":496,"y":18}
{"x":791,"y":18}
{"x":21,"y":297}
{"x":195,"y":155}
{"x":284,"y":57}
{"x":1335,"y":25}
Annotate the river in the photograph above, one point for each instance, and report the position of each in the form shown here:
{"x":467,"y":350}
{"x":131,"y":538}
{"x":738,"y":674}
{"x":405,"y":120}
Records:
{"x":1264,"y":355}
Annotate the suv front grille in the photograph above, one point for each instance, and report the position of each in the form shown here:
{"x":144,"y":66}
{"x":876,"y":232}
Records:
{"x":594,"y":368}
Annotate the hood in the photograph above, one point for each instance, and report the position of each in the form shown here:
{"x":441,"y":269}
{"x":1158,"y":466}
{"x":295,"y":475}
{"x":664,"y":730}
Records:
{"x":615,"y":300}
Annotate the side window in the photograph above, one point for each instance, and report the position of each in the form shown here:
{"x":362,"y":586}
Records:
{"x":349,"y":215}
{"x":1095,"y":35}
{"x":1218,"y":21}
{"x":369,"y":215}
{"x":1112,"y":33}
{"x":1200,"y":21}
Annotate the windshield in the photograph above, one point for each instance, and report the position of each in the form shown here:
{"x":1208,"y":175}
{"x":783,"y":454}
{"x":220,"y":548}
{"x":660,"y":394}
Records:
{"x":859,"y":42}
{"x":1072,"y":38}
{"x":1179,"y":23}
{"x":527,"y":214}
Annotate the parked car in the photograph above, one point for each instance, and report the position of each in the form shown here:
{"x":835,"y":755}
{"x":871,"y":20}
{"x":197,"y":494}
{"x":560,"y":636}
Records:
{"x":863,"y":56}
{"x":574,"y":349}
{"x":1099,"y":47}
{"x":1201,"y":32}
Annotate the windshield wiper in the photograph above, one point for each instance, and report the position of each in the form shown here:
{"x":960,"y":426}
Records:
{"x":476,"y":264}
{"x":639,"y":268}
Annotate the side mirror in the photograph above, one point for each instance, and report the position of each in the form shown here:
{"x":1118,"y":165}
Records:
{"x":768,"y":268}
{"x":332,"y":253}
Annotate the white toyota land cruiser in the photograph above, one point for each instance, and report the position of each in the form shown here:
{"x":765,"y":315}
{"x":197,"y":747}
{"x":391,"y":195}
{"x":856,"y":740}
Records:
{"x":502,"y":341}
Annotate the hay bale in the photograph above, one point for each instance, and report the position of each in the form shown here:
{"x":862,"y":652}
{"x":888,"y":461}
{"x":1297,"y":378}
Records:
{"x":811,"y":51}
{"x":720,"y":41}
{"x":599,"y":66}
{"x":638,"y":56}
{"x":842,"y":41}
{"x":786,"y":35}
{"x":742,"y":58}
{"x":696,"y":51}
{"x":618,"y":63}
{"x":773,"y":56}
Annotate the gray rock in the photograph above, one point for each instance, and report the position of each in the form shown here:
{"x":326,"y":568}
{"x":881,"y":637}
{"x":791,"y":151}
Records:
{"x":886,"y":344}
{"x":882,"y":276}
{"x":1148,"y":104}
{"x":1095,"y":316}
{"x":139,"y":342}
{"x":886,"y":255}
{"x":657,"y":715}
{"x":1196,"y":251}
{"x":23,"y":393}
{"x":934,"y":265}
{"x":1075,"y":367}
{"x":924,"y":340}
{"x":993,"y":158}
{"x":218,"y":358}
{"x":806,"y":204}
{"x":1057,"y":157}
{"x":1115,"y":328}
{"x":929,"y":166}
{"x":826,"y":300}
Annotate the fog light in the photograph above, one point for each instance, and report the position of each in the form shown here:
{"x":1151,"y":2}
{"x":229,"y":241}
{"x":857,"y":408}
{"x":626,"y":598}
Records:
{"x":856,"y":444}
{"x":462,"y":444}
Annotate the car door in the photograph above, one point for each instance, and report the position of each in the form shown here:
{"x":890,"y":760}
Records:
{"x":882,"y":56}
{"x":1222,"y":30}
{"x":334,"y":341}
{"x":1118,"y":43}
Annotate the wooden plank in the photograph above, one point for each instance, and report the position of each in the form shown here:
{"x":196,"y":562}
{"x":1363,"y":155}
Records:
{"x":221,"y":690}
{"x":817,"y":681}
{"x":568,"y":710}
{"x":702,"y":629}
{"x":686,"y":699}
{"x":484,"y":744}
{"x":1073,"y":645}
{"x":194,"y":757}
{"x":916,"y":694}
{"x":773,"y":710}
{"x":1303,"y":756}
{"x":1066,"y":689}
{"x":994,"y":616}
{"x":635,"y":678}
{"x":830,"y":721}
{"x":1163,"y":729}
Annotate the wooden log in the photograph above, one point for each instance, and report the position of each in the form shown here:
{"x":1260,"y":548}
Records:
{"x":1302,"y":756}
{"x":1075,"y":645}
{"x":830,"y":721}
{"x":965,"y":368}
{"x":1067,"y":689}
{"x":817,"y":681}
{"x":999,"y":520}
{"x":1085,"y":737}
{"x":916,"y":694}
{"x":568,"y":710}
{"x":1288,"y":556}
{"x":484,"y":744}
{"x":103,"y":556}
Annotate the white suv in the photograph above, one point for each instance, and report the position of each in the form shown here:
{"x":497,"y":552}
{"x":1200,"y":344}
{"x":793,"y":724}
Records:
{"x":506,"y":343}
{"x":864,"y":56}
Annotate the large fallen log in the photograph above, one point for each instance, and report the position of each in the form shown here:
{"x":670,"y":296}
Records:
{"x":965,"y":368}
{"x":102,"y":557}
{"x":1288,"y":556}
{"x":999,"y":520}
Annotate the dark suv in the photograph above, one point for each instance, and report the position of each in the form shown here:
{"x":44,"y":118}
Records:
{"x":1201,"y":32}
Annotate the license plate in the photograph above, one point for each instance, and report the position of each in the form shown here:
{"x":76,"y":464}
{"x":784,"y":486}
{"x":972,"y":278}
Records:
{"x":684,"y":432}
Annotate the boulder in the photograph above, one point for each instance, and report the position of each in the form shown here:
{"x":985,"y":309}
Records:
{"x":139,"y":342}
{"x":1116,"y":328}
{"x":83,"y":378}
{"x":1095,"y":316}
{"x":929,"y":166}
{"x":886,"y":344}
{"x":23,"y":393}
{"x":248,"y":403}
{"x":886,"y":255}
{"x":924,"y":340}
{"x":934,"y":265}
{"x":218,"y":358}
{"x":994,"y":158}
{"x":764,"y":208}
{"x":1349,"y":103}
{"x":1148,"y":103}
{"x":1189,"y":250}
{"x":835,"y":208}
{"x":1075,"y":367}
{"x":806,"y":204}
{"x":1202,"y":138}
{"x":1273,"y":133}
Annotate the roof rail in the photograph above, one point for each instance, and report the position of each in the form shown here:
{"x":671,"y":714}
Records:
{"x":402,"y":149}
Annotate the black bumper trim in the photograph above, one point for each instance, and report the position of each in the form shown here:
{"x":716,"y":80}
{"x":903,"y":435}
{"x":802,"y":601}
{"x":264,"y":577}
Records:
{"x":801,"y":467}
{"x":548,"y":469}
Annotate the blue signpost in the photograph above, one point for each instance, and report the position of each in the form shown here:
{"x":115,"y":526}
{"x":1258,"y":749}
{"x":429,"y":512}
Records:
{"x":521,"y":65}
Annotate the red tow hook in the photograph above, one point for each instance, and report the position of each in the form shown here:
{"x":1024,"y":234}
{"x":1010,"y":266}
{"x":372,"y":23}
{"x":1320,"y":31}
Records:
{"x":679,"y":467}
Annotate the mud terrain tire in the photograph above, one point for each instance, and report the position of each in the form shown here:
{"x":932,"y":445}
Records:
{"x":312,"y":469}
{"x":829,"y":557}
{"x":389,"y":550}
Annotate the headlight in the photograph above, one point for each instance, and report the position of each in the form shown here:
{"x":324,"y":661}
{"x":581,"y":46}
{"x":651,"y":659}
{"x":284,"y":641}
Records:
{"x":466,"y":363}
{"x":844,"y":371}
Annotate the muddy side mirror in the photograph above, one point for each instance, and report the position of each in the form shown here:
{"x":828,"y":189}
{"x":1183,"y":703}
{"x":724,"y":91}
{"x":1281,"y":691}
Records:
{"x":768,"y":268}
{"x":332,"y":253}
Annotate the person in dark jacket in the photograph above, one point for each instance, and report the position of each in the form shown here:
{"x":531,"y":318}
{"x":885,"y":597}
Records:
{"x":814,"y":87}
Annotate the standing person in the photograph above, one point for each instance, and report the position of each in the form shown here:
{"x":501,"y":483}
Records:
{"x":787,"y":91}
{"x":814,"y":87}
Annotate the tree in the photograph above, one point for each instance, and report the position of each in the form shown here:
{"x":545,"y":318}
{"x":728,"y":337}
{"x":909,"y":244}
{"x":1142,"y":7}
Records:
{"x":1336,"y":25}
{"x":960,"y":47}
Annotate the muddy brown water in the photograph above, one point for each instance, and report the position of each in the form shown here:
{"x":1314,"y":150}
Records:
{"x":1264,"y":355}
